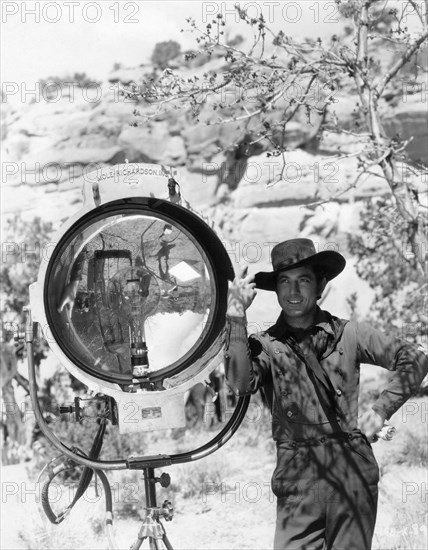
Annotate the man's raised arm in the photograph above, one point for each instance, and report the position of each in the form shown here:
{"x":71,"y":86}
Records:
{"x":244,"y":373}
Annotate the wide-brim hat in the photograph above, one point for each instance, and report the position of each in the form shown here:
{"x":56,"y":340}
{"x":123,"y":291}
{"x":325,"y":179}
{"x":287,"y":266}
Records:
{"x":298,"y":253}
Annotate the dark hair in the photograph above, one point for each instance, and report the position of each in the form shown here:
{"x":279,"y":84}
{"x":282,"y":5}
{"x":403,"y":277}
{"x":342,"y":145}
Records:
{"x":319,"y":276}
{"x":319,"y":273}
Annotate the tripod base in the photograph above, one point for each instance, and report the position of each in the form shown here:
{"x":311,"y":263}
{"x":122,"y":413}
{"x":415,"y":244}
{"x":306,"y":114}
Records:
{"x":152,"y":528}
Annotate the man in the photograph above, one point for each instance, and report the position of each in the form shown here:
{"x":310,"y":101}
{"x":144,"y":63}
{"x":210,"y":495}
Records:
{"x":308,"y":363}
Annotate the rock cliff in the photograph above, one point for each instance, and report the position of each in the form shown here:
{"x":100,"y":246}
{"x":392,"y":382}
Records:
{"x":50,"y":143}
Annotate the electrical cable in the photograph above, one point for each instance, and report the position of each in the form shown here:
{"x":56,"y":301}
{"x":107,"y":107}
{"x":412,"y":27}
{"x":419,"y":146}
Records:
{"x":85,"y":478}
{"x":73,"y":454}
{"x":221,"y":438}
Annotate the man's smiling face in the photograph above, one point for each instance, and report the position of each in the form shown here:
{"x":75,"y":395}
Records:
{"x":297,"y":291}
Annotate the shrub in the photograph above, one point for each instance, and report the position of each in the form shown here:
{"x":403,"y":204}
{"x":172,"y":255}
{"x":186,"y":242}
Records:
{"x":164,"y":52}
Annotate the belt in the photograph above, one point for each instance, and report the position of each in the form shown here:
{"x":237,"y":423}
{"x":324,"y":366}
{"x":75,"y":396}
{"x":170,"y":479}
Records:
{"x":312,"y":441}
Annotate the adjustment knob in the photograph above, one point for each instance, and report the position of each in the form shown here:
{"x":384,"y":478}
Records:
{"x":164,"y":480}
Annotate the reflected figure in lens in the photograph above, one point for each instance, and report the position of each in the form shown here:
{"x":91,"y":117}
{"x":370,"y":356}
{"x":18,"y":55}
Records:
{"x":209,"y":404}
{"x":166,"y":246}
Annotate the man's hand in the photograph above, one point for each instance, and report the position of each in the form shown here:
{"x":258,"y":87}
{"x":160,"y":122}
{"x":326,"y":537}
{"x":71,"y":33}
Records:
{"x":241,"y":293}
{"x":371,"y":424}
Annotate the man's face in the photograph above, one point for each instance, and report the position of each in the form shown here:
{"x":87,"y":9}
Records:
{"x":297,"y":291}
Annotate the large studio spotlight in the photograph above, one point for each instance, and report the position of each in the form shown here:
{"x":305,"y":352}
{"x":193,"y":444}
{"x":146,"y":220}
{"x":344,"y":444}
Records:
{"x":132,"y":300}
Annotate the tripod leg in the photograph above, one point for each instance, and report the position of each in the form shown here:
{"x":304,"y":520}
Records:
{"x":166,"y":542}
{"x":137,"y":544}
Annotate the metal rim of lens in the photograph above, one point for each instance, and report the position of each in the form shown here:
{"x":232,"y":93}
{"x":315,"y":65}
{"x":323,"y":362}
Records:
{"x":208,"y":244}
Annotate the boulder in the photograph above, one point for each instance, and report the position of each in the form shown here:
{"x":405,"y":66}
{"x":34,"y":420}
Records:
{"x":143,"y":144}
{"x":44,"y":118}
{"x":198,"y":189}
{"x":117,"y":108}
{"x":201,"y":140}
{"x":91,"y":150}
{"x":257,"y":188}
{"x":18,"y":146}
{"x":103,"y":124}
{"x":31,"y":202}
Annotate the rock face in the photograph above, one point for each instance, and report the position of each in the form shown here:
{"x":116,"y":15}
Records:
{"x":154,"y":145}
{"x":254,"y":197}
{"x":304,"y":179}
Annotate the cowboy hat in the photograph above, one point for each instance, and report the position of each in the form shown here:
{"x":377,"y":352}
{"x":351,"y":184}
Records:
{"x":298,"y":253}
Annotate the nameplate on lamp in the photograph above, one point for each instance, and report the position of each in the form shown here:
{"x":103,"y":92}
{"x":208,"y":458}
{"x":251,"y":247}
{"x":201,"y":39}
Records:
{"x":149,"y":411}
{"x":105,"y":184}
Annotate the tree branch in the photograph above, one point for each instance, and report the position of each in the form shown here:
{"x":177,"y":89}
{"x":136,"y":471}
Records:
{"x":399,"y":64}
{"x":417,"y":10}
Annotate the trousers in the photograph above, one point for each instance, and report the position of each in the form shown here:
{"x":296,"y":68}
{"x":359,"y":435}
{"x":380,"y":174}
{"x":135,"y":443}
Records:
{"x":326,"y":495}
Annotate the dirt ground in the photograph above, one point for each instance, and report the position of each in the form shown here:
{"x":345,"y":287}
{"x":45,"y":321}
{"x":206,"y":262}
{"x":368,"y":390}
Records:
{"x":221,"y":502}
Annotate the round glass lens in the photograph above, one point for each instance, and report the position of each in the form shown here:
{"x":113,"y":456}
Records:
{"x":130,"y":294}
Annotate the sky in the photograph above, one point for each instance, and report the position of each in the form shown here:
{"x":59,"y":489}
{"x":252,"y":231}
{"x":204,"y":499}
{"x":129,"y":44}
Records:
{"x":58,"y":38}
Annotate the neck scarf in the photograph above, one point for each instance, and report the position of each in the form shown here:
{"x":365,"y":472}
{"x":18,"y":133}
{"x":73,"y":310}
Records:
{"x":315,"y":336}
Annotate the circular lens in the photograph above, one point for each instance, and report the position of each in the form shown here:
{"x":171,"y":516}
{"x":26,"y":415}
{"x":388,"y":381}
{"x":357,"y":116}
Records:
{"x":132,"y":292}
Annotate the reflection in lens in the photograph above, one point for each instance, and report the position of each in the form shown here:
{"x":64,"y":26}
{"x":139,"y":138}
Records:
{"x":131,"y":294}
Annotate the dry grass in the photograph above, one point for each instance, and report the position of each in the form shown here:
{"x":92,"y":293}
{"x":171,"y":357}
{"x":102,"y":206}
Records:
{"x":407,"y":531}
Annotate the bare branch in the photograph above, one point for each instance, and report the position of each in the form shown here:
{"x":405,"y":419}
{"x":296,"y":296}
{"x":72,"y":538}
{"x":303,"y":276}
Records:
{"x":386,"y":38}
{"x":331,"y":197}
{"x":23,"y":382}
{"x":400,"y":63}
{"x":418,"y":11}
{"x":330,"y":130}
{"x":363,"y":28}
{"x":361,"y":60}
{"x":253,"y":113}
{"x":271,"y":102}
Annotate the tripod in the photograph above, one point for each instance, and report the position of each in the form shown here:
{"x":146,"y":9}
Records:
{"x":151,"y":528}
